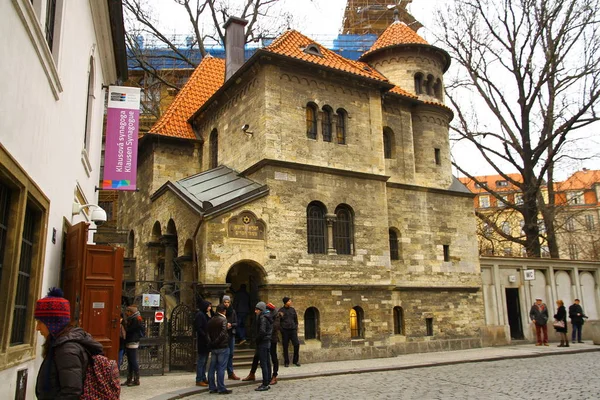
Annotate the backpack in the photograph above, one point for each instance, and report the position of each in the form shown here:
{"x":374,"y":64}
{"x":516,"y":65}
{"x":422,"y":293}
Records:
{"x":101,"y":379}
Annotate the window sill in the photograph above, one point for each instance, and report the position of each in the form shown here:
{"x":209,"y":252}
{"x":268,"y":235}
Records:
{"x":38,"y":40}
{"x":85,"y":160}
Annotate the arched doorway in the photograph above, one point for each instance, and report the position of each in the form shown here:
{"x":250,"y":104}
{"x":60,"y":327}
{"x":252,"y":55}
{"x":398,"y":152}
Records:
{"x":248,"y":276}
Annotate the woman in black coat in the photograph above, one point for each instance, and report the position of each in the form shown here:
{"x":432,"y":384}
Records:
{"x":133,"y":329}
{"x":561,"y":316}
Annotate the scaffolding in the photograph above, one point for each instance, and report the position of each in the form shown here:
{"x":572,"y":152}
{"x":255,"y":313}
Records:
{"x":374,"y":16}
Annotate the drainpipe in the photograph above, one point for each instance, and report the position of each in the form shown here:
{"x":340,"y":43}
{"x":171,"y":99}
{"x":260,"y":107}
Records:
{"x":194,"y":257}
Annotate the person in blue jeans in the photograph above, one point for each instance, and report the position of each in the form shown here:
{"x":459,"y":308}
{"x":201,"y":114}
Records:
{"x":200,"y":327}
{"x":231,"y":324}
{"x":219,"y":350}
{"x":264,"y":330}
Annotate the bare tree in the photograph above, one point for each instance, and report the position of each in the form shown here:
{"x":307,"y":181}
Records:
{"x":534,"y":64}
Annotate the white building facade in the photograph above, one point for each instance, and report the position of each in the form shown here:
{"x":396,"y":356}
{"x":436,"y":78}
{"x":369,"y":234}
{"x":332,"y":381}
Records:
{"x":56,"y":58}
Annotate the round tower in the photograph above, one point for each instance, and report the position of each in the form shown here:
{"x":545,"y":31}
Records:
{"x":416,"y":67}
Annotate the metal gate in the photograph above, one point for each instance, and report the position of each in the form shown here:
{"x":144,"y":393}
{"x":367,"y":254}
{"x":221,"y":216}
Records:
{"x":182,"y":346}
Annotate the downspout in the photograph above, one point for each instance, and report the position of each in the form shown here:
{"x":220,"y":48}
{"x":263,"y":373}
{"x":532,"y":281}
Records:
{"x":194,"y":257}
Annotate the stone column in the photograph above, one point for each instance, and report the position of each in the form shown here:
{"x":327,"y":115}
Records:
{"x":330,"y":218}
{"x":170,"y":244}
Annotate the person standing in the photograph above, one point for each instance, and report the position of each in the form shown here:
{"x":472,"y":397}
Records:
{"x":231,"y":325}
{"x":241,"y":305}
{"x":264,"y":329}
{"x":200,"y":327}
{"x":133,"y":329}
{"x":539,"y":315}
{"x":289,"y":331}
{"x":219,"y":349}
{"x":276,"y":317}
{"x":576,"y":315}
{"x":66,"y":349}
{"x":561,"y":316}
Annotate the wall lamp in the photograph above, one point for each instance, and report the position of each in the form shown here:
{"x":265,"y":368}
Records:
{"x":245,"y":128}
{"x":98,"y":215}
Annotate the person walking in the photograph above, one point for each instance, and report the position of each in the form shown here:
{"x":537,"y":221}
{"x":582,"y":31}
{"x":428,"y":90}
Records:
{"x":133,"y":334}
{"x":273,"y":352}
{"x":231,"y":325}
{"x":264,"y":329}
{"x":66,"y":349}
{"x":122,"y":336}
{"x":289,"y":331}
{"x":560,"y":323}
{"x":539,"y":315}
{"x":200,"y":327}
{"x":576,"y":315}
{"x":241,"y":305}
{"x":219,"y":349}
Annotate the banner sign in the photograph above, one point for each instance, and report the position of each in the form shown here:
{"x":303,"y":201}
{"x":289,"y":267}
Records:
{"x":120,"y":150}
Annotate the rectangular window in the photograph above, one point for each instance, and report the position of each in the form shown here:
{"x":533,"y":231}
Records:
{"x":518,"y":198}
{"x":438,"y":157}
{"x":570,"y":225}
{"x":501,"y":183}
{"x":484,"y":201}
{"x":50,"y":23}
{"x":429,"y":326}
{"x":4,"y":213}
{"x":573,"y":253}
{"x":481,"y":185}
{"x":446,"y":252}
{"x":589,"y":221}
{"x":502,"y":201}
{"x":575,"y":197}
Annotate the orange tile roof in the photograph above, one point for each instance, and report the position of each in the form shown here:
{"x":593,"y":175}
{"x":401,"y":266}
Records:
{"x":402,"y":92}
{"x":292,"y":44}
{"x":580,"y":180}
{"x":204,"y":82}
{"x":396,"y":34}
{"x":491,"y":180}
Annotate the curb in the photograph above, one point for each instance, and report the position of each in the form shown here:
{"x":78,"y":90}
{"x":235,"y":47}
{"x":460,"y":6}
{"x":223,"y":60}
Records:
{"x":183,"y":393}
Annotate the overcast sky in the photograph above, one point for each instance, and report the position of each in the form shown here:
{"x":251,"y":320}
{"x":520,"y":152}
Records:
{"x":324,"y":17}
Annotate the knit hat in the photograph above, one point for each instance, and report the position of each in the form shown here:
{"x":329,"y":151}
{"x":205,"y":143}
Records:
{"x":226,"y":298}
{"x":54,"y":311}
{"x":261,"y":306}
{"x":271,"y":306}
{"x":285,"y":300}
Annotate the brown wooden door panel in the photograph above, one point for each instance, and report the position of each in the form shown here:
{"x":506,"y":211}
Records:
{"x":75,"y":253}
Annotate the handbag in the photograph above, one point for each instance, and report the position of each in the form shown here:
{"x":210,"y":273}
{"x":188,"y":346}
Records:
{"x":558,"y":324}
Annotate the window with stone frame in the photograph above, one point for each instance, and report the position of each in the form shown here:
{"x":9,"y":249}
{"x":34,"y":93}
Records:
{"x":316,"y":228}
{"x":343,"y":230}
{"x":311,"y":323}
{"x":214,"y":149}
{"x":398,"y":321}
{"x":311,"y":121}
{"x":327,"y":123}
{"x":342,"y":116}
{"x":356,"y":323}
{"x":388,"y":143}
{"x":394,"y":254}
{"x":418,"y":83}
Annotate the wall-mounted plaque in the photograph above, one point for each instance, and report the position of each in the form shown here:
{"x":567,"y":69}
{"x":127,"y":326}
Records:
{"x":246,"y":226}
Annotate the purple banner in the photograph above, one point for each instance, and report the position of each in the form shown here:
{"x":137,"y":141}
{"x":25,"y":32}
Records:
{"x":120,"y":150}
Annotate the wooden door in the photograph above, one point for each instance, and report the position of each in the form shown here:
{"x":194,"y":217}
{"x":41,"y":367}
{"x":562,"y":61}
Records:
{"x":101,"y":303}
{"x":74,"y":260}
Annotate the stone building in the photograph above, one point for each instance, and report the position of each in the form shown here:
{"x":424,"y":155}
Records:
{"x":304,"y":174}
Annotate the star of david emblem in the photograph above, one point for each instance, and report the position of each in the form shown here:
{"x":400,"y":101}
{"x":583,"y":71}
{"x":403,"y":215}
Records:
{"x":246,"y":219}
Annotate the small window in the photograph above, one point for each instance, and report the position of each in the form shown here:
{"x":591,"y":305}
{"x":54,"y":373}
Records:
{"x":484,"y":201}
{"x":573,"y":252}
{"x":313,"y":49}
{"x":575,"y":197}
{"x":311,"y":121}
{"x":343,"y":230}
{"x":50,"y":23}
{"x":430,"y":82}
{"x":398,"y":321}
{"x":502,"y":184}
{"x":341,"y":126}
{"x":570,"y":224}
{"x":438,"y":157}
{"x":589,"y":221}
{"x":214,"y":149}
{"x":356,"y":323}
{"x":316,"y":228}
{"x":518,"y":198}
{"x":388,"y":143}
{"x":130,"y":244}
{"x":481,"y":185}
{"x":502,"y":201}
{"x":311,"y":323}
{"x":429,"y":326}
{"x":418,"y":83}
{"x":393,"y":245}
{"x":446,"y":252}
{"x":326,"y":124}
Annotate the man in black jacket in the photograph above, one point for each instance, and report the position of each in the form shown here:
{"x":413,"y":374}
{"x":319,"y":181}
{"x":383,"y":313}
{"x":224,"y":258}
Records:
{"x":576,"y":314}
{"x":289,"y":330}
{"x":200,"y":327}
{"x":231,"y":325}
{"x":219,"y":348}
{"x":264,"y":329}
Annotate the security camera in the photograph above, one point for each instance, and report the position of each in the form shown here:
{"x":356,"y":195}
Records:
{"x":245,"y":127}
{"x":98,"y":215}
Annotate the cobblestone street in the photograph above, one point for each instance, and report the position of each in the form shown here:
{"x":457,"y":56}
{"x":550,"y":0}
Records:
{"x":576,"y":377}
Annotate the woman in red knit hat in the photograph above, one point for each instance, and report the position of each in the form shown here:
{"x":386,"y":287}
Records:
{"x":66,"y":350}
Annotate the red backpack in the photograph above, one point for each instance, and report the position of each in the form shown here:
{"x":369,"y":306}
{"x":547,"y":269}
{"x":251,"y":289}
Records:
{"x":101,"y":379}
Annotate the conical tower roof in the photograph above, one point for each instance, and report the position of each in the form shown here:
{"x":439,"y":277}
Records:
{"x":397,"y":34}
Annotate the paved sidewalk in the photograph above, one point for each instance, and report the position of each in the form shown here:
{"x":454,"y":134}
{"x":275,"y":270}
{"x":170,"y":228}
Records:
{"x":180,"y":385}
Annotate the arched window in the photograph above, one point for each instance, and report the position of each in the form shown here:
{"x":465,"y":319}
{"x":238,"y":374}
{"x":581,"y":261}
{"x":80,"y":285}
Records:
{"x":130,"y":244}
{"x":343,"y":230}
{"x":316,"y":228}
{"x":388,"y":142}
{"x":398,"y":321}
{"x":418,"y":83}
{"x":311,"y":121}
{"x":311,"y":323}
{"x":341,"y":126}
{"x":393,"y":245}
{"x":89,"y":107}
{"x":326,"y":123}
{"x":437,"y":89}
{"x":356,"y":323}
{"x":214,"y":149}
{"x":429,"y":87}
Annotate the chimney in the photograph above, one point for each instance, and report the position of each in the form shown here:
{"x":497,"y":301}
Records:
{"x":234,"y":45}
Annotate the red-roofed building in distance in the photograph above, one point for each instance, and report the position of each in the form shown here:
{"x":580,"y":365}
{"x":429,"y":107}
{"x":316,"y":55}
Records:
{"x":302,"y":173}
